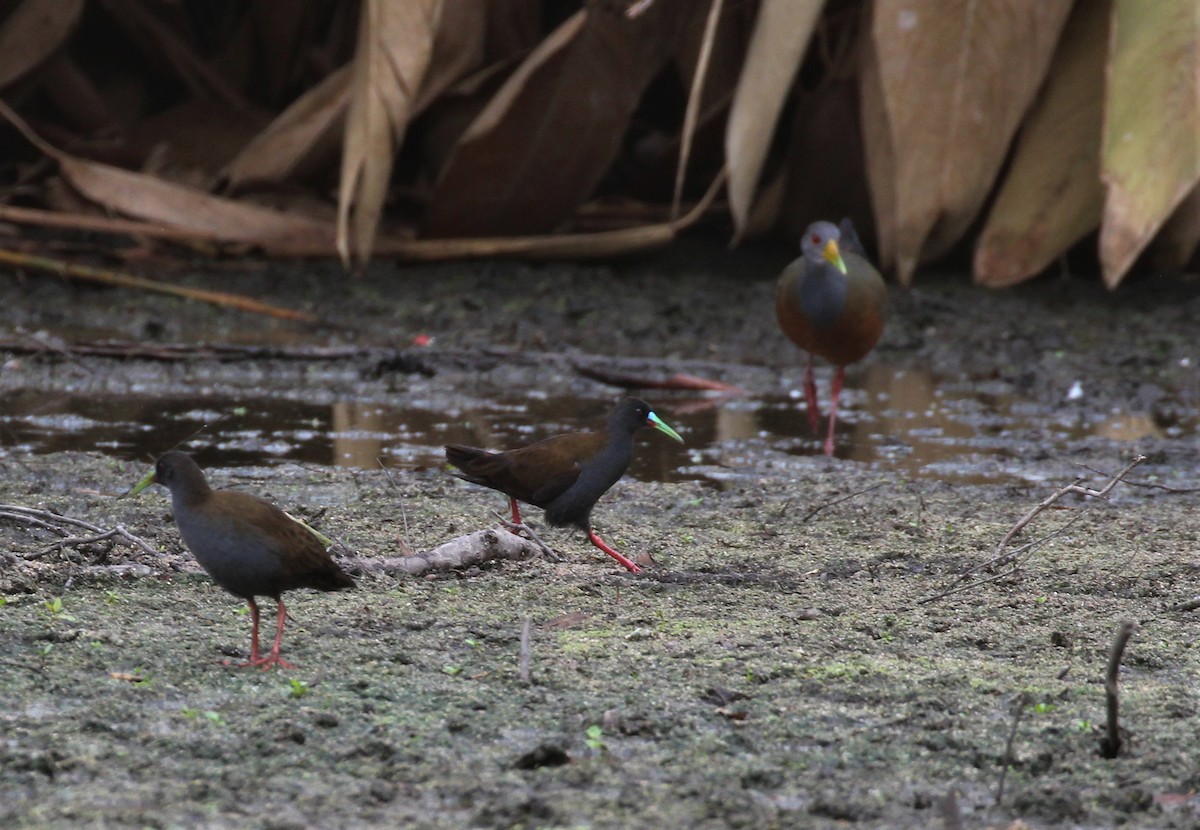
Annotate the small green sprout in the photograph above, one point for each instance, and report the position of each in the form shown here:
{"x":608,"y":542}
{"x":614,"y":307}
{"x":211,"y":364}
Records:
{"x":56,"y":609}
{"x":299,"y":687}
{"x":594,"y":737}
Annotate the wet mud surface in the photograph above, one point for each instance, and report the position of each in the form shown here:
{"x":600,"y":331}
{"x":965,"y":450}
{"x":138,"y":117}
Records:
{"x":784,"y":661}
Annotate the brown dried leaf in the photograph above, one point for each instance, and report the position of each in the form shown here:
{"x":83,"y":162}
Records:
{"x":394,"y":47}
{"x":457,"y":48}
{"x":32,"y":33}
{"x":306,"y":129}
{"x":1151,"y":152}
{"x":780,"y":37}
{"x":601,"y":245}
{"x":826,"y":158}
{"x":190,"y":141}
{"x":977,"y":66}
{"x":546,"y":138}
{"x":150,"y":198}
{"x":145,"y":197}
{"x":1052,"y":194}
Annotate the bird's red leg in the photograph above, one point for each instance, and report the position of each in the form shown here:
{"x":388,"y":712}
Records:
{"x":626,"y":563}
{"x":273,"y":659}
{"x":810,"y":397}
{"x":516,"y":510}
{"x":835,"y":392}
{"x":254,"y":658}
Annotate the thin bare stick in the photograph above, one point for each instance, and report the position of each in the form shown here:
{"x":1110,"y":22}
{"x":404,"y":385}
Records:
{"x":58,"y":523}
{"x":546,"y":550}
{"x":405,"y":544}
{"x":837,"y":501}
{"x":1110,"y":745}
{"x":100,"y":275}
{"x":1018,"y":711}
{"x":1153,"y":485}
{"x":1070,"y":488}
{"x":959,"y":586}
{"x":1189,"y":605}
{"x":523,"y":663}
{"x":1002,"y":556}
{"x":101,"y":224}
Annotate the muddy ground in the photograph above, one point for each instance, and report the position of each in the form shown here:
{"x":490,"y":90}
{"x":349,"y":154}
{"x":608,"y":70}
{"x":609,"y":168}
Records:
{"x":775,"y":666}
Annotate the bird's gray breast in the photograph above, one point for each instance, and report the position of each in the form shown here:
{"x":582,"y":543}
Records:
{"x":821,"y":294}
{"x":239,"y":559}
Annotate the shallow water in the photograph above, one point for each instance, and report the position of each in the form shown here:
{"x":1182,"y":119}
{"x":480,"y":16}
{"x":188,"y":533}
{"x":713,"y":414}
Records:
{"x":908,"y":421}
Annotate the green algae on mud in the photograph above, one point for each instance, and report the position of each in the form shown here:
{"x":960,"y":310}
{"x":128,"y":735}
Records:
{"x":772,"y":669}
{"x":763,"y":674}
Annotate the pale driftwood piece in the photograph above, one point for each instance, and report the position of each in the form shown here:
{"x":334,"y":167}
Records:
{"x":461,"y":552}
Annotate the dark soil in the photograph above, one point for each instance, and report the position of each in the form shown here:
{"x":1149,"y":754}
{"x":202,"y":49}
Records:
{"x":777,"y":664}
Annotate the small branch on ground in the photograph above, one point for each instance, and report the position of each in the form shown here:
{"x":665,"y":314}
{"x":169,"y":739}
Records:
{"x":1189,"y":605}
{"x":405,"y":547}
{"x":1151,"y":485}
{"x":106,"y":277}
{"x":1110,"y":744}
{"x":1001,"y":556}
{"x":1018,"y":711}
{"x":531,"y":535}
{"x":807,"y":516}
{"x":58,"y":523}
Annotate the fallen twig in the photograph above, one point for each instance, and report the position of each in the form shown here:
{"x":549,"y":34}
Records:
{"x":1110,"y":744}
{"x":106,"y":277}
{"x":1001,"y":556}
{"x":530,"y":534}
{"x":1018,"y":711}
{"x":1189,"y":605}
{"x":804,"y":519}
{"x":58,"y":523}
{"x":1151,"y":485}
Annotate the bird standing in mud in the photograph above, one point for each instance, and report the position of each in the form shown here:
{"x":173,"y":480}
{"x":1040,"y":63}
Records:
{"x":248,"y":546}
{"x":832,"y":303}
{"x":564,"y":475}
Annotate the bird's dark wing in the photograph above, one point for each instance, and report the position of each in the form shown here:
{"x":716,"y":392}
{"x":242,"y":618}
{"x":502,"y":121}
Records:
{"x":303,"y":559}
{"x":536,"y":474}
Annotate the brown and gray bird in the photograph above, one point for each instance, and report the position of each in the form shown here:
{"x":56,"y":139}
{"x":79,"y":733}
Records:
{"x":249,"y":546}
{"x":832,"y":303}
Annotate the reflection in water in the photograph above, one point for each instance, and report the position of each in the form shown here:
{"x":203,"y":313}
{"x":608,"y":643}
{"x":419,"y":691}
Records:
{"x":906,"y":420}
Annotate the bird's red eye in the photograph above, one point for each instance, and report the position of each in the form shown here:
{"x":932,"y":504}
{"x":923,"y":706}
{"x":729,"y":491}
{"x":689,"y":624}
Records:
{"x":816,"y":239}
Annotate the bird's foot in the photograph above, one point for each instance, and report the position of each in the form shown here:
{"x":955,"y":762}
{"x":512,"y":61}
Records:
{"x":625,"y":561}
{"x":265,"y":662}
